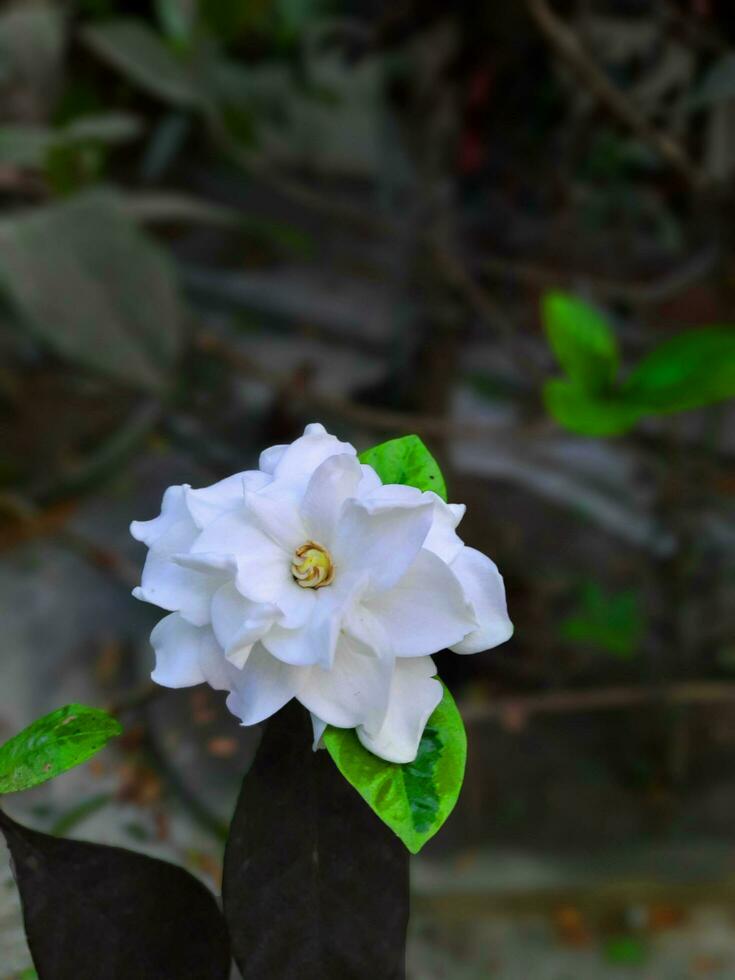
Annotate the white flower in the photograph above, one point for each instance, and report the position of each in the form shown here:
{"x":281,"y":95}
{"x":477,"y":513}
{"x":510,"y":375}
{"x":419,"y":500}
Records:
{"x":310,"y":579}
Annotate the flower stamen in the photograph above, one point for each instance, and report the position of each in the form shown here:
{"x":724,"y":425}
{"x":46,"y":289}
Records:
{"x":312,"y":567}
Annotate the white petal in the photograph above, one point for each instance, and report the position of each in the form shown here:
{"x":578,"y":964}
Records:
{"x":355,"y":691}
{"x":262,"y":687}
{"x":277,"y":516}
{"x":168,"y":585}
{"x":263,"y":568}
{"x":370,"y":481}
{"x":238,"y":623}
{"x":380,"y":538}
{"x":173,"y":510}
{"x":333,"y":482}
{"x":207,"y":562}
{"x":318,"y":727}
{"x":209,"y":503}
{"x":316,"y":641}
{"x":303,"y":456}
{"x":363,"y":625}
{"x":425,"y":611}
{"x":187,"y":655}
{"x":483,"y":586}
{"x":414,"y":695}
{"x":270,"y":458}
{"x":442,"y":539}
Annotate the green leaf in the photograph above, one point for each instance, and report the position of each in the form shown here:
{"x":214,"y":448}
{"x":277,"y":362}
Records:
{"x":693,"y":369}
{"x":582,"y":341}
{"x":408,"y":461}
{"x":134,"y":49}
{"x":413,"y":799}
{"x":94,"y":288}
{"x":52,"y":744}
{"x":613,"y":623}
{"x":588,"y":414}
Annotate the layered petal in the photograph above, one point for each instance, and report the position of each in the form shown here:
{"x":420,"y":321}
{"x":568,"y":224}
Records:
{"x":442,"y":538}
{"x":262,"y":687}
{"x":425,"y":611}
{"x":167,"y":584}
{"x":208,"y":503}
{"x":414,"y":694}
{"x":302,"y":457}
{"x":278,"y":516}
{"x":380,"y":537}
{"x":333,"y":482}
{"x":187,"y":655}
{"x":354,"y":691}
{"x":238,"y":622}
{"x":173,"y":511}
{"x":483,"y":586}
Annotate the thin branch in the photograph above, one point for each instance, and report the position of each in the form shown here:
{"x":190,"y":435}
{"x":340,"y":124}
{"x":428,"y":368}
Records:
{"x":380,"y":419}
{"x":669,"y":285}
{"x":566,"y":43}
{"x":514,"y":711}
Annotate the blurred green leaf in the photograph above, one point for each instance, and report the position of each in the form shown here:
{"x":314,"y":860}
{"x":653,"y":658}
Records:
{"x":59,"y":741}
{"x":177,"y":19}
{"x":30,"y":146}
{"x":612,"y":623}
{"x":582,"y":341}
{"x":137,"y":51}
{"x":693,"y":369}
{"x":413,"y":799}
{"x":94,"y":288}
{"x":407,"y":461}
{"x":588,"y":414}
{"x":626,"y":951}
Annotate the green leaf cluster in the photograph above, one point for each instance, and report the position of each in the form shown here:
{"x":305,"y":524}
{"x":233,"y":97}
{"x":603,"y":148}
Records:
{"x":691,"y":370}
{"x":59,"y":741}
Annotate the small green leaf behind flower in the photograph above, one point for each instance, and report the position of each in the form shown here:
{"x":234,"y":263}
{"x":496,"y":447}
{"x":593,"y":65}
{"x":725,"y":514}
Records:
{"x":414,"y":799}
{"x":691,"y":370}
{"x":407,"y":461}
{"x":59,"y":741}
{"x":582,"y":340}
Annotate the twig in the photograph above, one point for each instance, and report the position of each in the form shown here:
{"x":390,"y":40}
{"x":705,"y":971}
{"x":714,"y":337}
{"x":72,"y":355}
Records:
{"x":567,"y":45}
{"x":381,"y":419}
{"x":521,"y":707}
{"x":671,"y":284}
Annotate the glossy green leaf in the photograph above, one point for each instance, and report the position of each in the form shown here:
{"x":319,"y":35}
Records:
{"x":407,"y":461}
{"x":52,"y":744}
{"x":413,"y":799}
{"x":582,"y":341}
{"x":588,"y":414}
{"x":693,"y":369}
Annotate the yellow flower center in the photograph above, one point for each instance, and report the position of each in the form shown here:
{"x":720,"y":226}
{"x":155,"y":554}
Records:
{"x":312,"y":567}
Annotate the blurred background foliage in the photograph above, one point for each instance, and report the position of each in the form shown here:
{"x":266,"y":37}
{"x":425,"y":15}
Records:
{"x":506,"y":227}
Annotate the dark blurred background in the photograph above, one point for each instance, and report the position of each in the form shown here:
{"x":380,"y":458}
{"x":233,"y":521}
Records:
{"x":222,"y":220}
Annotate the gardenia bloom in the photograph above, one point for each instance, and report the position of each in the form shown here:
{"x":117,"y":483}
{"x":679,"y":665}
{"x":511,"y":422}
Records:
{"x":308,"y":578}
